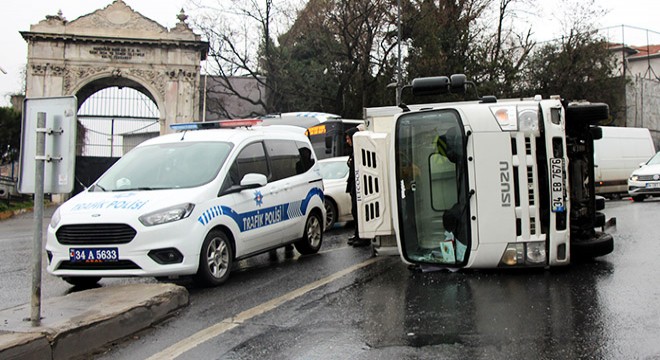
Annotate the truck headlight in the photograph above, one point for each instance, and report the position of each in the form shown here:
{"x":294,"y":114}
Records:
{"x":527,"y":253}
{"x":536,"y":253}
{"x":167,"y":215}
{"x":513,"y":255}
{"x":514,"y":118}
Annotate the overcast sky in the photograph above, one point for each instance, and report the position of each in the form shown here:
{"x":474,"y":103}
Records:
{"x":20,"y":15}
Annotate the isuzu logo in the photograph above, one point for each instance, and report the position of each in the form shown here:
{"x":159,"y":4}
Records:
{"x":505,"y":184}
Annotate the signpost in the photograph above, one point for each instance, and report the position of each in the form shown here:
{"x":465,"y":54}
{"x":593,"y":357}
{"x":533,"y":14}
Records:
{"x":48,"y":149}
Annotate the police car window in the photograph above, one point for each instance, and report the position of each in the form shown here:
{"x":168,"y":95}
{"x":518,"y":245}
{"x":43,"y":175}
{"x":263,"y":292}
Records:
{"x":284,"y":156}
{"x":252,"y":159}
{"x":306,"y":159}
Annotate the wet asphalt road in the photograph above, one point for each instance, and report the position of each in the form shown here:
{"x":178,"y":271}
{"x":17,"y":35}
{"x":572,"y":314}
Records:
{"x":605,"y":309}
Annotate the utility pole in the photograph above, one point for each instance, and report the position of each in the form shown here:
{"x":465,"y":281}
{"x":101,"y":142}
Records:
{"x":398,"y":63}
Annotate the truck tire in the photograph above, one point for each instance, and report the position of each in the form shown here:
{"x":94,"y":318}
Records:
{"x":586,"y":249}
{"x":587,"y":113}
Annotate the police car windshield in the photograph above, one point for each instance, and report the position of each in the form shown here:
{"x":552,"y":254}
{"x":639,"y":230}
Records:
{"x":432,"y":184}
{"x":165,"y":166}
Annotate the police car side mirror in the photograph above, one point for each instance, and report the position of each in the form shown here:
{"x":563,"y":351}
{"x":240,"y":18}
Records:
{"x":253,"y":180}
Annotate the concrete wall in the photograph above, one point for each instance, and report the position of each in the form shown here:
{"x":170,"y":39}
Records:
{"x":643,"y":106}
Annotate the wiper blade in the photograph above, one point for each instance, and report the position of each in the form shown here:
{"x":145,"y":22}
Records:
{"x":142,"y":188}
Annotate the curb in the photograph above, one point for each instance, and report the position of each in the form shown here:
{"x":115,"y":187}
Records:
{"x":10,"y":213}
{"x":84,"y":322}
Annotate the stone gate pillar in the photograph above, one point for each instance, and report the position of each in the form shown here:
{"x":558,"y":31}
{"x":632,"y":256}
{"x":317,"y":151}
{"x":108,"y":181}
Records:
{"x":117,"y":46}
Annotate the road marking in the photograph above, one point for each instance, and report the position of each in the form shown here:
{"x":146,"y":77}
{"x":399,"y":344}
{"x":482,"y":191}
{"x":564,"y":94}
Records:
{"x":209,"y":333}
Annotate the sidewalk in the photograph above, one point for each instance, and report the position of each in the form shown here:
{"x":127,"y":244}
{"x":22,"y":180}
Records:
{"x":83,"y":322}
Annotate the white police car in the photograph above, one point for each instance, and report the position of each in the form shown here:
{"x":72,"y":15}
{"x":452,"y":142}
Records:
{"x":191,"y":203}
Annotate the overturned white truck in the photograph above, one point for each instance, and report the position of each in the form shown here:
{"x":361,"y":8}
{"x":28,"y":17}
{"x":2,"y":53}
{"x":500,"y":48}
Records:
{"x":481,"y":184}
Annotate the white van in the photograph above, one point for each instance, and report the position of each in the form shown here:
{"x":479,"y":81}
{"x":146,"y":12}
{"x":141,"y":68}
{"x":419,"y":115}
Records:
{"x":616,"y":155}
{"x":191,"y":203}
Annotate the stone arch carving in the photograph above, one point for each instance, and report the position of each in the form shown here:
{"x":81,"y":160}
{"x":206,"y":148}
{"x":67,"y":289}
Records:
{"x":117,"y":46}
{"x":148,"y":83}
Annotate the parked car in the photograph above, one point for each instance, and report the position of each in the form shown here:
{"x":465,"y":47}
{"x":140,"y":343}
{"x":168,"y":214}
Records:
{"x":618,"y":153}
{"x":191,"y":203}
{"x":645,"y":181}
{"x":337,"y":201}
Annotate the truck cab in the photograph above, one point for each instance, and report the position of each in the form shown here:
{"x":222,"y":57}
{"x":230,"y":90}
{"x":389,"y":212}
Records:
{"x":481,"y":184}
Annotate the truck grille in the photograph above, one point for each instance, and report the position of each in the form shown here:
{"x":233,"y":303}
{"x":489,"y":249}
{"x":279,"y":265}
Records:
{"x":526,"y":186}
{"x":95,"y":234}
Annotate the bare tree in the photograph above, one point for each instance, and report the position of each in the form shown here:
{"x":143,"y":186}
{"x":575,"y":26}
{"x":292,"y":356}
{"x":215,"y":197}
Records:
{"x":241,"y":48}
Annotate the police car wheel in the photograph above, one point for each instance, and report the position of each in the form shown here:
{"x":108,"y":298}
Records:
{"x":82,"y":281}
{"x":330,"y":213}
{"x":215,"y":259}
{"x":311,"y":241}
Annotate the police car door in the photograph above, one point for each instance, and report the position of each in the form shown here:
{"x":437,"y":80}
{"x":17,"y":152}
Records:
{"x":289,"y":187}
{"x":252,"y":209}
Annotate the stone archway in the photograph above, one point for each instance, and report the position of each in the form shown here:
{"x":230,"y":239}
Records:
{"x":117,"y":46}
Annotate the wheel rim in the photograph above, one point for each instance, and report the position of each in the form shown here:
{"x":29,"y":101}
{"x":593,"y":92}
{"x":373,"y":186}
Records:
{"x":217,"y":258}
{"x":329,"y":214}
{"x":314,"y":231}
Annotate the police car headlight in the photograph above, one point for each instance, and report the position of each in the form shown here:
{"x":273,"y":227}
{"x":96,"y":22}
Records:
{"x":55,"y":219}
{"x":167,"y":215}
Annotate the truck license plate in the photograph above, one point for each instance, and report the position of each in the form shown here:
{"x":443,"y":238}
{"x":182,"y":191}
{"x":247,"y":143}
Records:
{"x":93,"y":255}
{"x":557,"y":184}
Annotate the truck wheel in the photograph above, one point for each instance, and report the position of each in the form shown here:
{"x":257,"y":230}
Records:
{"x":596,"y":132}
{"x":215,"y":259}
{"x":82,"y":281}
{"x":330,"y":213}
{"x":585,"y":249}
{"x":311,"y":241}
{"x":587,"y":113}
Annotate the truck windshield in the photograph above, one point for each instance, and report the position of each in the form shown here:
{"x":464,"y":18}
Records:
{"x":432,"y":188}
{"x":165,"y":166}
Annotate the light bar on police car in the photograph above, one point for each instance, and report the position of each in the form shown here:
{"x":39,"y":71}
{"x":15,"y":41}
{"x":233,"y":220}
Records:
{"x":220,"y":124}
